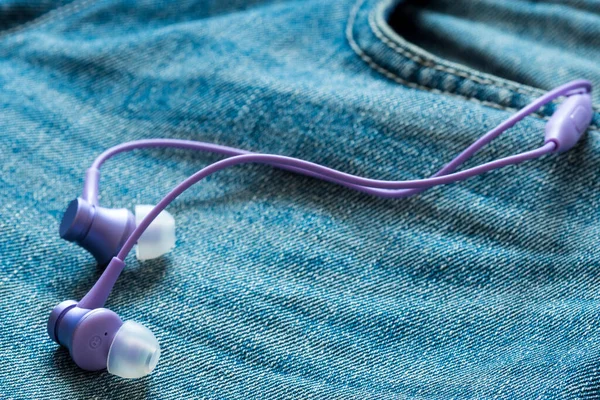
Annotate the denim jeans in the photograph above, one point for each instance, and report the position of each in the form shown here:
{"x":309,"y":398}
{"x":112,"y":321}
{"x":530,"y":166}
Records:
{"x":282,"y":286}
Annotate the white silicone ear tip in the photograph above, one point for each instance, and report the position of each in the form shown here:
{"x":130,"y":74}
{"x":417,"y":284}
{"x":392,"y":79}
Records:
{"x":134,"y":351}
{"x":159,"y":238}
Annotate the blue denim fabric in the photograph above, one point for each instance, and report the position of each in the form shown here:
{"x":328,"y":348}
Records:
{"x":282,"y":286}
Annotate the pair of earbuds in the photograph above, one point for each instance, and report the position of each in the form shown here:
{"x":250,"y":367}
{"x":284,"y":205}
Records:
{"x":98,"y":339}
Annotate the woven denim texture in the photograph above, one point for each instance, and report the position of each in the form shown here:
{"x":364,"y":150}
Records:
{"x":282,"y":286}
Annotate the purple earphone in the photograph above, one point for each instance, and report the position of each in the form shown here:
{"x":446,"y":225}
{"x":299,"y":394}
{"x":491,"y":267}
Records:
{"x":97,"y":338}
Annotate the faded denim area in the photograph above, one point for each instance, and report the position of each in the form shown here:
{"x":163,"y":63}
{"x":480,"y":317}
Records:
{"x":282,"y":286}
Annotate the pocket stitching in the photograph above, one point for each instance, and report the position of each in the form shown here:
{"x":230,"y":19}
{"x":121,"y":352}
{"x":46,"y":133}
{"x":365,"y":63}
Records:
{"x":398,"y":79}
{"x":376,"y":29}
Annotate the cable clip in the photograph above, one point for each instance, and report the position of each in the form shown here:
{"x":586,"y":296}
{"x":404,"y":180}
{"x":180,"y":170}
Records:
{"x":569,"y":121}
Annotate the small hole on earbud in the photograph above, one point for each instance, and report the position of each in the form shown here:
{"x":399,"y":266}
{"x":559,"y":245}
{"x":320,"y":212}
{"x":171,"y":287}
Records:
{"x":105,"y":333}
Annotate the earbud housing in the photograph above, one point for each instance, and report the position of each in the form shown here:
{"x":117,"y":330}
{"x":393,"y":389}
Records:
{"x":101,"y":231}
{"x":98,"y":339}
{"x":88,"y":334}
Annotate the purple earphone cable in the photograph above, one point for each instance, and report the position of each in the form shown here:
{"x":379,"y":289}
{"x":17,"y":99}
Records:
{"x":97,"y":296}
{"x":307,"y":166}
{"x":370,"y":186}
{"x":558,"y":138}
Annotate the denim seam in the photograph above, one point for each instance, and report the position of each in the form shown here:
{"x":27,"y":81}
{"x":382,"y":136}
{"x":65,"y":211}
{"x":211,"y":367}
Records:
{"x":52,"y":15}
{"x":396,"y":78}
{"x":375,"y":23}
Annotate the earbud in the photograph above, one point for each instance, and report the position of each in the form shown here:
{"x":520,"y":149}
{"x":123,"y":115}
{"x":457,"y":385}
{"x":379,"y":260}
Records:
{"x":158,"y":238}
{"x":134,"y":351}
{"x":103,"y":231}
{"x":98,"y":339}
